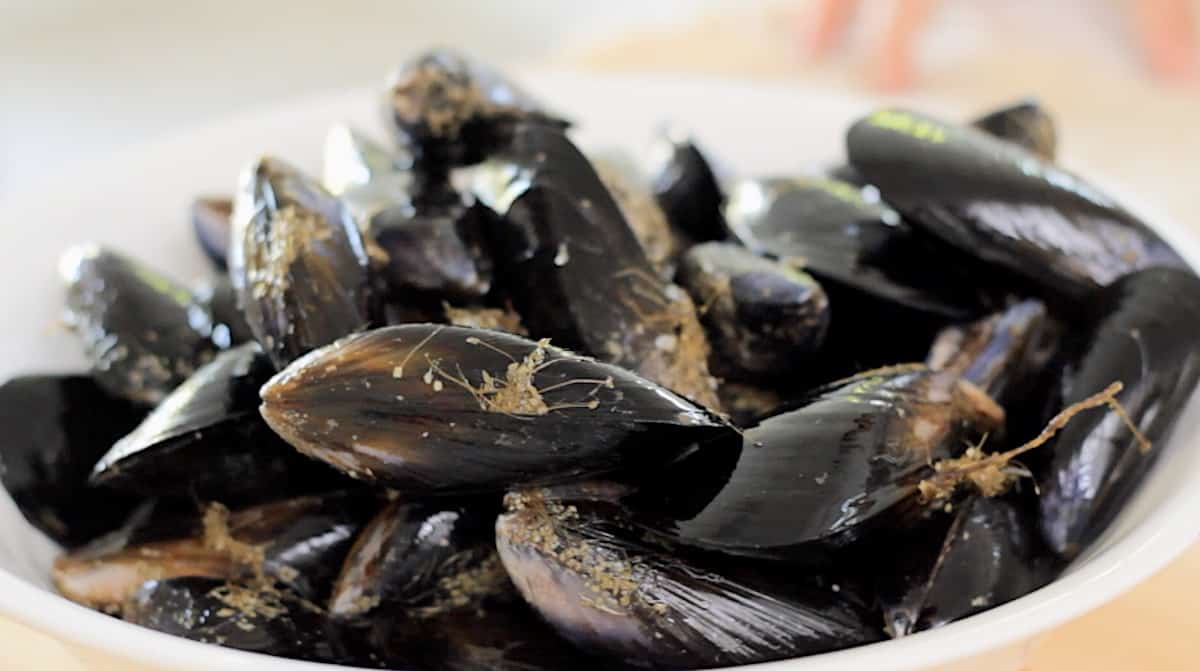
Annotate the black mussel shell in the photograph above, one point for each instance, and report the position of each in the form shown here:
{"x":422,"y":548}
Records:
{"x":642,"y":212}
{"x":297,"y":542}
{"x":450,"y":110}
{"x":352,"y":160}
{"x":686,"y":185}
{"x":764,"y":319}
{"x":425,"y":558}
{"x":245,"y":617}
{"x":210,"y":222}
{"x":629,"y":601}
{"x":983,"y":553}
{"x":143,"y":333}
{"x":432,"y":408}
{"x":206,"y":440}
{"x":1003,"y":205}
{"x":56,"y":428}
{"x":576,"y":272}
{"x":846,"y":462}
{"x":1002,"y":353}
{"x":297,"y":261}
{"x":436,"y":244}
{"x":229,"y":325}
{"x":844,"y":234}
{"x":1025,"y":123}
{"x":1142,"y":337}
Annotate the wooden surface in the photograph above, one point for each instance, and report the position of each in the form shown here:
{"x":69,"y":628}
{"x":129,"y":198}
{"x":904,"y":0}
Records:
{"x":1113,"y":119}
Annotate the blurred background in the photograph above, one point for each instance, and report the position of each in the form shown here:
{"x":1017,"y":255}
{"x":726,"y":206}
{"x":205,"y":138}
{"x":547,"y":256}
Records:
{"x":86,"y":78}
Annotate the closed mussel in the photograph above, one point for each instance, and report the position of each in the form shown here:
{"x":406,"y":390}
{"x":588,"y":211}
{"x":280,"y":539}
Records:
{"x":1003,"y":205}
{"x":207,"y":440}
{"x":298,"y":262}
{"x":425,"y":407}
{"x":1141,"y":337}
{"x":576,"y":272}
{"x":143,"y":333}
{"x":57,"y":426}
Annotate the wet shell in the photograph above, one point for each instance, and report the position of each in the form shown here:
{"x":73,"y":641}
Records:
{"x":1003,"y":205}
{"x":56,"y":426}
{"x":1025,"y":123}
{"x":576,"y":272}
{"x":143,"y":333}
{"x":210,"y":222}
{"x":846,"y":462}
{"x":298,"y":262}
{"x":686,"y":185}
{"x":630,"y":602}
{"x":207,"y":440}
{"x":764,"y":319}
{"x":424,"y":407}
{"x":1142,"y":337}
{"x":229,"y":324}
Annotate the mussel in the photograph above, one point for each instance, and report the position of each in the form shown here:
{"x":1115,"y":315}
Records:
{"x":1025,"y":123}
{"x":143,"y":333}
{"x":298,"y":262}
{"x":450,"y":110}
{"x":575,"y":270}
{"x":627,"y":600}
{"x":1141,"y":337}
{"x":1003,"y":205}
{"x":207,"y":440}
{"x":425,"y":558}
{"x":229,"y":325}
{"x":686,"y":185}
{"x":241,"y":616}
{"x":984,"y":552}
{"x":57,"y":426}
{"x":210,"y":222}
{"x":429,"y":408}
{"x":764,"y":319}
{"x":845,"y":463}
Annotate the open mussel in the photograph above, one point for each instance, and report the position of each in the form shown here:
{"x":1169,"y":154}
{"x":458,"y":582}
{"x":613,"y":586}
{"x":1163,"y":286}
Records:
{"x":764,"y":319}
{"x":210,"y":222}
{"x":1141,"y":337}
{"x":425,"y":407}
{"x":1025,"y":123}
{"x":576,"y":272}
{"x":297,"y":543}
{"x":613,"y":595}
{"x":298,"y":262}
{"x":425,"y":558}
{"x":57,"y":426}
{"x":846,"y":462}
{"x":1003,"y":205}
{"x":143,"y":333}
{"x":984,"y":552}
{"x":242,"y":616}
{"x":450,"y":110}
{"x":686,"y":185}
{"x":207,"y":440}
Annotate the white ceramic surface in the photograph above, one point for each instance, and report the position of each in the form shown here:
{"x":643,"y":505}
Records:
{"x":137,"y":201}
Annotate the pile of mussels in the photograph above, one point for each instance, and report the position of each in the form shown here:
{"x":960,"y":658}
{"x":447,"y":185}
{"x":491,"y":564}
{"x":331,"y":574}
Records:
{"x":779,"y":415}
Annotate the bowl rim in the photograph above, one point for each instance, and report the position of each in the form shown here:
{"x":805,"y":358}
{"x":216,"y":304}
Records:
{"x":1167,"y":532}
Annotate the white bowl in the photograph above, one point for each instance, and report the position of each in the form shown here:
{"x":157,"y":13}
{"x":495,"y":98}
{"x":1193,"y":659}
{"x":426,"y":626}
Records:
{"x":137,"y":202}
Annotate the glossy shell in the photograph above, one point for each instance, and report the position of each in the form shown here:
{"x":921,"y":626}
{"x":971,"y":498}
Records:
{"x":1025,"y":123}
{"x":1142,"y":337}
{"x":207,"y":440}
{"x":210,"y":222}
{"x":143,"y":333}
{"x":1003,"y":205}
{"x":686,"y":185}
{"x":298,"y":262}
{"x":424,"y":407}
{"x":764,"y":319}
{"x":576,"y":272}
{"x":56,"y":426}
